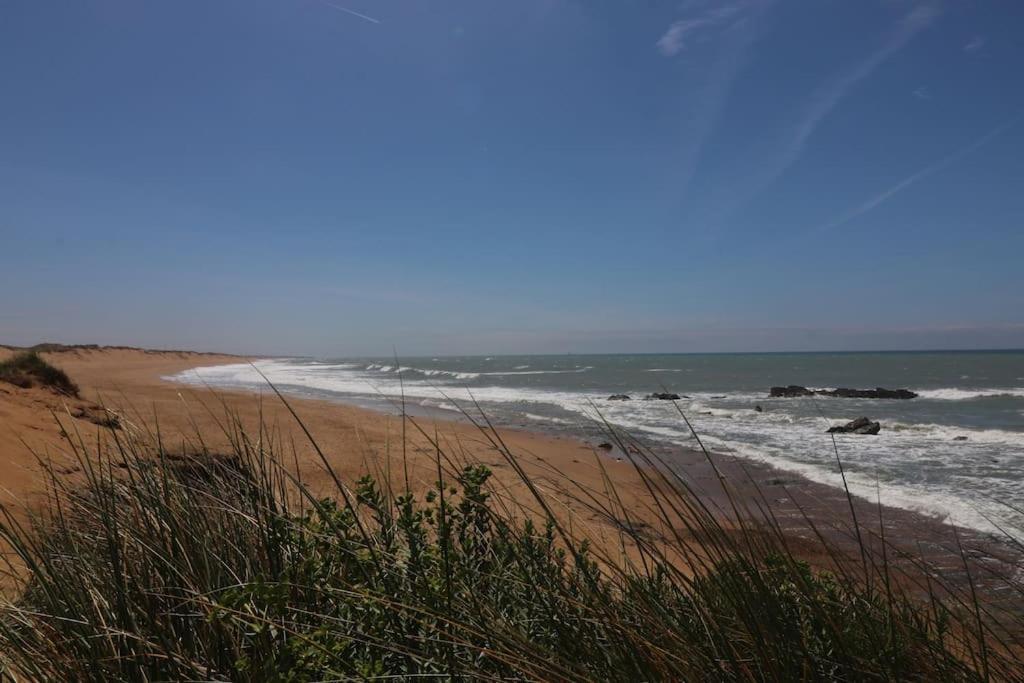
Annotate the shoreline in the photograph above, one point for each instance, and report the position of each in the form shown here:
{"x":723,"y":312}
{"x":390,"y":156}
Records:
{"x":791,"y":496}
{"x":795,"y":501}
{"x":358,"y":437}
{"x":950,"y":454}
{"x":589,"y":431}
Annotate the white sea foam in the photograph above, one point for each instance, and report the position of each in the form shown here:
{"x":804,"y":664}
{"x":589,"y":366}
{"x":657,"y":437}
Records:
{"x":446,"y":373}
{"x":949,"y":433}
{"x":435,"y":372}
{"x":663,"y":370}
{"x":699,"y":408}
{"x":444,"y":405}
{"x":286,"y":374}
{"x":550,"y":418}
{"x":743,"y":397}
{"x":536,"y":372}
{"x":952,"y":394}
{"x":941,"y":504}
{"x":407,"y":370}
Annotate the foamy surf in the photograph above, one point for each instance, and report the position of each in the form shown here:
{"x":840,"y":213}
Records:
{"x":952,"y":394}
{"x":954,"y":452}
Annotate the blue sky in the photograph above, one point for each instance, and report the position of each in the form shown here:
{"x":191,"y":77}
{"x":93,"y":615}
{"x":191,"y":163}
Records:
{"x":349,"y":177}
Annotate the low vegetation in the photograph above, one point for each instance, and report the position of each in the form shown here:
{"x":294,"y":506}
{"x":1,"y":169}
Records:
{"x":162,"y":565}
{"x":28,"y":369}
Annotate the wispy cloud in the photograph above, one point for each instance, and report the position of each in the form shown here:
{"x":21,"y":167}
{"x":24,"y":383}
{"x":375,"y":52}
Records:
{"x":923,"y":93}
{"x":679,"y":34}
{"x":939,"y":165}
{"x":673,"y":41}
{"x":712,"y":87}
{"x":350,"y":11}
{"x":820,"y":104}
{"x":831,"y":93}
{"x":975,"y":44}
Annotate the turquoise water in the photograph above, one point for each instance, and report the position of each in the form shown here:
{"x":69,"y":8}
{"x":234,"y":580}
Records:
{"x":917,"y":462}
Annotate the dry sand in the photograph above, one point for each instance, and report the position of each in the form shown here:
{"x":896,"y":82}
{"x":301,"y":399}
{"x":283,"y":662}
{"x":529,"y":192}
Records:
{"x":355,"y":440}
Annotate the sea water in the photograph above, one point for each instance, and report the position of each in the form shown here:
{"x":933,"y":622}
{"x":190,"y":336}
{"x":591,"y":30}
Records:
{"x":919,"y":461}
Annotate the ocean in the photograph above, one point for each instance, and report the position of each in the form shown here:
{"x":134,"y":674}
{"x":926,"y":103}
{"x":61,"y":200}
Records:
{"x":920,"y":460}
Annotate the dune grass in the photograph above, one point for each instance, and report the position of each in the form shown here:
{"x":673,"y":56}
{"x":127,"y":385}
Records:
{"x":164,"y":564}
{"x":28,"y":369}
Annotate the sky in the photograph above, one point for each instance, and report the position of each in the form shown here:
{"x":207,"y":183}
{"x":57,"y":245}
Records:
{"x":364,"y":177}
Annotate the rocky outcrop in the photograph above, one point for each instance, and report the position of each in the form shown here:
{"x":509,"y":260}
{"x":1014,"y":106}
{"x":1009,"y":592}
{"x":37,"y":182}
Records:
{"x":619,"y":397}
{"x":663,"y":397}
{"x":878,"y":392}
{"x":861,"y":425}
{"x":794,"y":390}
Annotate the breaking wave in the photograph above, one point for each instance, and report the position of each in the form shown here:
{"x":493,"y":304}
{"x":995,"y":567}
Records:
{"x":953,"y":394}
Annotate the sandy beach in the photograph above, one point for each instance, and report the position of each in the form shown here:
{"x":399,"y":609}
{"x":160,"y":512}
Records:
{"x":357,"y":441}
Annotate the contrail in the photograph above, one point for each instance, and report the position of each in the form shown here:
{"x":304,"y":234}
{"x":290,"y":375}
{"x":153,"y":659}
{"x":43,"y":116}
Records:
{"x":923,"y":173}
{"x":349,"y":11}
{"x":826,"y":99}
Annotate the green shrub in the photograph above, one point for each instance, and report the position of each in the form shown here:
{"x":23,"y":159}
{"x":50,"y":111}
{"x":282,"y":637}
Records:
{"x":28,"y":369}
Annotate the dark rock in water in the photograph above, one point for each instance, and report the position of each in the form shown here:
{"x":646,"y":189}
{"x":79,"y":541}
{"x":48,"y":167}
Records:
{"x":758,"y":409}
{"x":719,"y":396}
{"x":959,"y":438}
{"x":795,"y":390}
{"x":791,"y":391}
{"x":663,"y":397}
{"x":877,"y":392}
{"x":605,"y":446}
{"x":871,"y":429}
{"x":619,"y":397}
{"x":850,"y":426}
{"x":861,"y":425}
